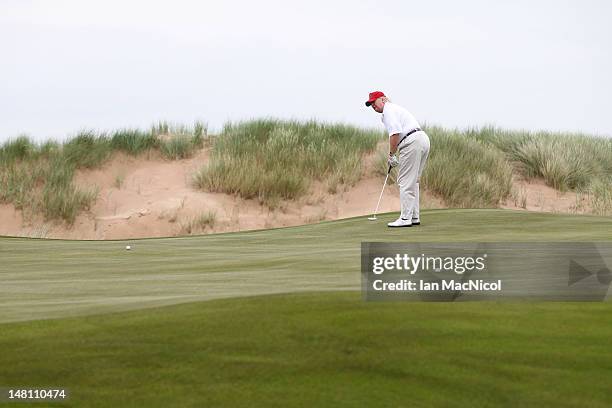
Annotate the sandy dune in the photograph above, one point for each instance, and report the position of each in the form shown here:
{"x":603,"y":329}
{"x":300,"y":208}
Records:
{"x":152,"y":197}
{"x":535,"y":195}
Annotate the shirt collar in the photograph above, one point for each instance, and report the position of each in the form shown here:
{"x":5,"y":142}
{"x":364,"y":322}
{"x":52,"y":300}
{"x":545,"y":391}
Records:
{"x":385,"y":106}
{"x":382,"y":115}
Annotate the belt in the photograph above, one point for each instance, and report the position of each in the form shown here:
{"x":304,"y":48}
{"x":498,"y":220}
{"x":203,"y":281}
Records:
{"x":407,"y":134}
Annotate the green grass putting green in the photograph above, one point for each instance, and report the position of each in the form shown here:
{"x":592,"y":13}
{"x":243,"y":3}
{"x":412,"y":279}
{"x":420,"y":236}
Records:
{"x":325,"y":349}
{"x":54,"y":278}
{"x":85,"y":316}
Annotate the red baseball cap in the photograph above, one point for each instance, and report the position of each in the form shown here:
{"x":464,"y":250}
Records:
{"x":374,"y":96}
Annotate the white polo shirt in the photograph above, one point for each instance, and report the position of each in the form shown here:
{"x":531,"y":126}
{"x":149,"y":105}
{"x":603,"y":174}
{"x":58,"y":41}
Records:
{"x":398,"y":120}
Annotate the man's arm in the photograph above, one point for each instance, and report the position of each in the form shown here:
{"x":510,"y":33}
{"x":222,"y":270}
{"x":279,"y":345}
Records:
{"x":393,"y":140}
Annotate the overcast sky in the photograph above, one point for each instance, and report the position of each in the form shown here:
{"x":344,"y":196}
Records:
{"x":70,"y":65}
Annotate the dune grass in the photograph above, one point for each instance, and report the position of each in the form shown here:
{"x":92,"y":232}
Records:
{"x":61,"y":199}
{"x":87,"y":150}
{"x":465,"y":172}
{"x":601,"y":195}
{"x":179,"y":141}
{"x":178,"y":147}
{"x":45,"y":186}
{"x":566,"y":161}
{"x":39,"y":178}
{"x":20,"y":148}
{"x":273,"y":159}
{"x":133,"y":141}
{"x":199,"y":223}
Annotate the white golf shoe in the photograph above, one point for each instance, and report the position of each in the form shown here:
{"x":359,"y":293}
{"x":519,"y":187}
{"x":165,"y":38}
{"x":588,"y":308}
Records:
{"x":416,"y":221}
{"x":400,"y":222}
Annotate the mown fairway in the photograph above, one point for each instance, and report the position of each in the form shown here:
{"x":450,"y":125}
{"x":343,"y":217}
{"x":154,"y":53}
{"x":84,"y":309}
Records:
{"x":327,"y":348}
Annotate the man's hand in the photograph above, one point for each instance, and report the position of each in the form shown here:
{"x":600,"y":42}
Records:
{"x":392,"y":161}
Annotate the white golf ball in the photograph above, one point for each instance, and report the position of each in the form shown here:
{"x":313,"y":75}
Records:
{"x":128,"y":247}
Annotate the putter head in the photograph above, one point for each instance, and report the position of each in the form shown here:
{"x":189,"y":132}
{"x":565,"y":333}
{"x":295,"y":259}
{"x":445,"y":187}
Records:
{"x":372,"y":218}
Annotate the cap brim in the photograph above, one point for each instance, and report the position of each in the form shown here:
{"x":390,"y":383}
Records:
{"x":368,"y":103}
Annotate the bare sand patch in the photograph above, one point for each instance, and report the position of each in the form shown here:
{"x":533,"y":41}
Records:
{"x":535,"y":195}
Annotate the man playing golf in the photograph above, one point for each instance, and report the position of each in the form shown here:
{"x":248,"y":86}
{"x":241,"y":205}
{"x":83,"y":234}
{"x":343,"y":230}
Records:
{"x":405,"y":137}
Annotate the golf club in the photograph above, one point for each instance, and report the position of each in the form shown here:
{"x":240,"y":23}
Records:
{"x":373,"y":218}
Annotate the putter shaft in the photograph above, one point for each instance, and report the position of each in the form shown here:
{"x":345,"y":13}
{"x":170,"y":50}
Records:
{"x":381,"y":194}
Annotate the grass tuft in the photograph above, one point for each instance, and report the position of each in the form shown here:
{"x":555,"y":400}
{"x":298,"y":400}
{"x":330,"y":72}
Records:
{"x":87,"y":150}
{"x":199,"y":223}
{"x":466,"y":172}
{"x":133,"y":141}
{"x":566,"y":161}
{"x":178,"y":147}
{"x":271,"y":160}
{"x":178,"y":142}
{"x":17,"y":149}
{"x":601,"y":193}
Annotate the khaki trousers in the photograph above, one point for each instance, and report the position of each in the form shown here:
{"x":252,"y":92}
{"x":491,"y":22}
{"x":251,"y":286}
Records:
{"x":413,"y":153}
